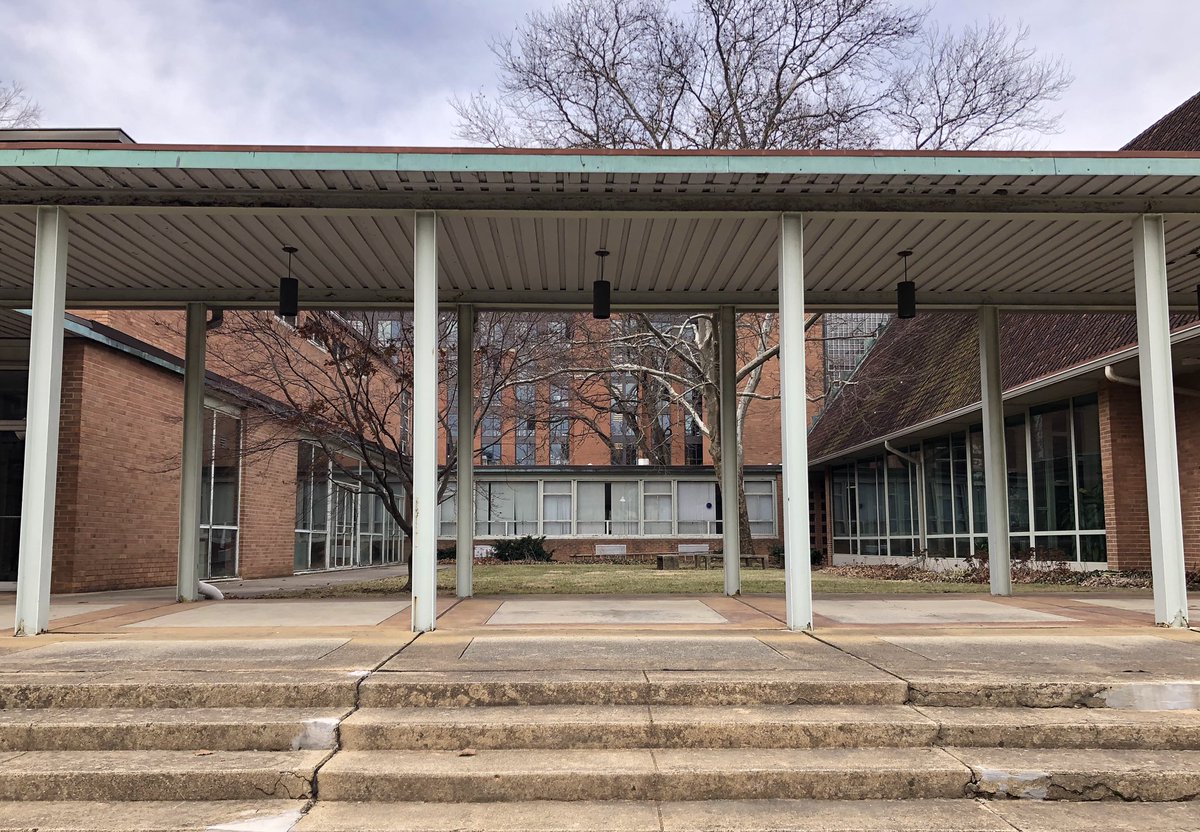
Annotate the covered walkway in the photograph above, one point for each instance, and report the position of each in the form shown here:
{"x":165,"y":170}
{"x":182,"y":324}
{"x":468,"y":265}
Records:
{"x":158,"y":226}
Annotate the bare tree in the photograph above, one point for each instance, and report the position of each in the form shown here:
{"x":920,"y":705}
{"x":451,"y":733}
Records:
{"x":17,"y":109}
{"x":749,"y":74}
{"x":344,"y":382}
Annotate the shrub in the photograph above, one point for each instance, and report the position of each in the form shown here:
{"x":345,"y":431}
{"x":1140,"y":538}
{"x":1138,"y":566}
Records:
{"x":527,"y":548}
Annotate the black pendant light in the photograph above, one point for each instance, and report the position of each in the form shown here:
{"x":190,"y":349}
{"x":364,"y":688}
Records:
{"x":601,"y":291}
{"x":289,"y":289}
{"x":906,"y":292}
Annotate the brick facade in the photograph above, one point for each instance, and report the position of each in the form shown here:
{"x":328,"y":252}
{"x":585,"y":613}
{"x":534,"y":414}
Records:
{"x":1124,"y":463}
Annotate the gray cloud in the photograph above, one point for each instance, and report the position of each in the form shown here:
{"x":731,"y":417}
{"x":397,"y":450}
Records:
{"x":380,"y":73}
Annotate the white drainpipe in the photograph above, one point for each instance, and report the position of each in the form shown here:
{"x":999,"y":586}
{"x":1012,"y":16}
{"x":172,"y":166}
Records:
{"x":1111,"y":375}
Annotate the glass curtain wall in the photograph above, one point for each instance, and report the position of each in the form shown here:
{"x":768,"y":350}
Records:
{"x":1054,"y":479}
{"x":341,"y":522}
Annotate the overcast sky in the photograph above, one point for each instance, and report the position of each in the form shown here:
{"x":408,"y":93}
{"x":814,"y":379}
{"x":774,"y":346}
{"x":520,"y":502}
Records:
{"x":380,"y":73}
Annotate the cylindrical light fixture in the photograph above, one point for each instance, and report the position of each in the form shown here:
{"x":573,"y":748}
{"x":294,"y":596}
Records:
{"x":289,"y":289}
{"x":601,"y":292}
{"x":906,"y":292}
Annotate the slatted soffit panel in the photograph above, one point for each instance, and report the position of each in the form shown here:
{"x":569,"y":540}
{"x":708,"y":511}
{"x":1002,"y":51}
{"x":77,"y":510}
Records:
{"x":156,"y":226}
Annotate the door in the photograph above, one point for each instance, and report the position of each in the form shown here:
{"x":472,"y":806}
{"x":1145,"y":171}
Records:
{"x":343,"y":532}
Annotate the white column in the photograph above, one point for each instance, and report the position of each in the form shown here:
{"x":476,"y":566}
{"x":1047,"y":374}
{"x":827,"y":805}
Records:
{"x":41,"y":422}
{"x":465,"y":551}
{"x":192,"y":462}
{"x":425,"y":420}
{"x":1158,"y":422}
{"x":995,"y":461}
{"x":794,"y":406}
{"x":730,"y":450}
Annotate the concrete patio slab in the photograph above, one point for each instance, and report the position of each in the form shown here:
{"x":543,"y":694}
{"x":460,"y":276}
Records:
{"x":108,"y":655}
{"x":604,"y":611}
{"x":1145,"y":605}
{"x":299,"y":613}
{"x":151,"y":816}
{"x":930,"y":611}
{"x":61,"y":608}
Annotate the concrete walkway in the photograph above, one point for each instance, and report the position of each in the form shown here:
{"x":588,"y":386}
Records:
{"x":155,"y":609}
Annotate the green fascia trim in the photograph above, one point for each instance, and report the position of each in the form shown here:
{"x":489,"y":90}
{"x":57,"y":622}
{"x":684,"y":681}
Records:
{"x":534,"y":162}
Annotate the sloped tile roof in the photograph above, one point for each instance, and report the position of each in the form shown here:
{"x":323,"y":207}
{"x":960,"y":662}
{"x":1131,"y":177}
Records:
{"x":1178,"y":130}
{"x":928,"y":366}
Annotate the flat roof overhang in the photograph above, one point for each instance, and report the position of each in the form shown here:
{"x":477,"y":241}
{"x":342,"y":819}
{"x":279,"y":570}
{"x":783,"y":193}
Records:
{"x":157,"y":225}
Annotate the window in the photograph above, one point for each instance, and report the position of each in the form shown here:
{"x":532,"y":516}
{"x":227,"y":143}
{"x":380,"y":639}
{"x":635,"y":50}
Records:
{"x":1018,"y":475}
{"x":451,"y":424}
{"x":388,"y":332}
{"x":760,"y":507}
{"x":556,"y":508}
{"x":657,"y":500}
{"x":448,"y":513}
{"x":220,"y":493}
{"x":560,"y":440}
{"x":490,"y":434}
{"x":1089,"y":479}
{"x":978,"y":488}
{"x":697,"y":508}
{"x":312,"y":495}
{"x":605,"y":508}
{"x":848,"y":338}
{"x":1053,"y":489}
{"x":693,"y":439}
{"x":505,"y":509}
{"x":526,"y":450}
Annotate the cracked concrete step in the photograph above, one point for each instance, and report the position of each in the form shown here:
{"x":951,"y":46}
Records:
{"x":764,"y":726}
{"x":392,"y":689}
{"x":158,"y":775}
{"x":636,"y":726}
{"x":752,"y":816}
{"x":150,"y":816}
{"x":1082,"y":774}
{"x":657,"y":774}
{"x":1066,"y":728}
{"x":179,"y":689}
{"x":131,"y":729}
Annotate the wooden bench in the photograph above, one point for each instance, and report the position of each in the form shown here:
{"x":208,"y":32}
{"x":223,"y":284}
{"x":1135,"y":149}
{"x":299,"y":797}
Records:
{"x":747,"y":560}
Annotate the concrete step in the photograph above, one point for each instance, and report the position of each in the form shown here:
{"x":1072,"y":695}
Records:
{"x":752,"y":816}
{"x":764,"y":726}
{"x":771,"y":687}
{"x":636,"y":726}
{"x":180,"y":689}
{"x":181,"y":729}
{"x":158,"y":775}
{"x":644,"y":774}
{"x":150,"y":816}
{"x":1082,"y":774}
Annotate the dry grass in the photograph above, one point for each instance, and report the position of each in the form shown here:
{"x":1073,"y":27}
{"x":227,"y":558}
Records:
{"x":607,"y":579}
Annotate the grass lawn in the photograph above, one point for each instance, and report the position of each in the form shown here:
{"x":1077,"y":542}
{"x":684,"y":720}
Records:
{"x":584,"y":579}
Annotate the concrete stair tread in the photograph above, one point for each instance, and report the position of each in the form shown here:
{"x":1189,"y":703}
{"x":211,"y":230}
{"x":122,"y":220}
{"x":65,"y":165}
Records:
{"x":150,"y":816}
{"x":231,"y":729}
{"x":669,"y":774}
{"x":752,"y":816}
{"x":158,"y":775}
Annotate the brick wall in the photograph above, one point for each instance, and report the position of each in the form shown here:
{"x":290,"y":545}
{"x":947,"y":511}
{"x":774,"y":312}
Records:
{"x":118,"y":494}
{"x":268,"y":507}
{"x":1123,"y":454}
{"x":562,"y":548}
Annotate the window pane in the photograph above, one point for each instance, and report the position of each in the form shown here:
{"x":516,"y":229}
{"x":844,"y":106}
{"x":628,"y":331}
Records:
{"x":1055,"y":547}
{"x":958,"y":444}
{"x":697,"y":507}
{"x":1093,"y":548}
{"x":590,"y":508}
{"x":939,"y":502}
{"x":1018,"y":475}
{"x":1089,"y":475}
{"x":760,"y":507}
{"x":625,"y":510}
{"x":899,"y":496}
{"x":556,"y":508}
{"x":1053,"y":489}
{"x":300,"y":554}
{"x":869,"y":503}
{"x":447,"y":512}
{"x":978,"y":490}
{"x":222,"y":553}
{"x":841,"y":514}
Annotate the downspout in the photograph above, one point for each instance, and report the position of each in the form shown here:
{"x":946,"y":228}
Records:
{"x":210,"y":592}
{"x":922,"y":537}
{"x":1111,"y":375}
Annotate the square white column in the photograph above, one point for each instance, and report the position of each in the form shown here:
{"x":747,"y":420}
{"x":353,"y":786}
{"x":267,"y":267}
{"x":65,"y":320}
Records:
{"x":465,"y":494}
{"x":1158,"y":421}
{"x":794,"y":406}
{"x":425,"y":422}
{"x":730,"y":450}
{"x":41,"y":422}
{"x":995,"y":461}
{"x":192,"y":462}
